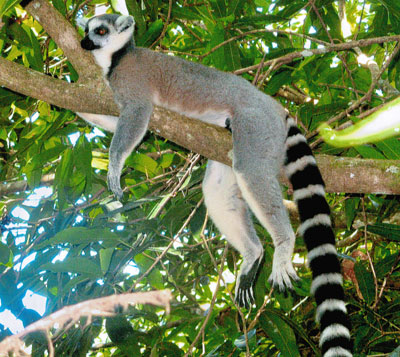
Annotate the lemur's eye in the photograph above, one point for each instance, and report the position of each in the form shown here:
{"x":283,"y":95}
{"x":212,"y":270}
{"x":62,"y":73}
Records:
{"x":101,"y":31}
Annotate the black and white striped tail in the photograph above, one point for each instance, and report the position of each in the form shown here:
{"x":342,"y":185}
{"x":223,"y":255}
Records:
{"x":309,"y":194}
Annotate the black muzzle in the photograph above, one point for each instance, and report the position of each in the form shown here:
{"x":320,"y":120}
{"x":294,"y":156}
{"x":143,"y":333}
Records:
{"x":88,"y":44}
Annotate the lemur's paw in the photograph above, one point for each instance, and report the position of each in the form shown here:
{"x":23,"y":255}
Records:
{"x":282,"y":276}
{"x":114,"y":186}
{"x":244,"y":295}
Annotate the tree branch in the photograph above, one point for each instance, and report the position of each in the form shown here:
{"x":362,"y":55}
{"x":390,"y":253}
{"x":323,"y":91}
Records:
{"x":320,"y":51}
{"x":69,"y":315}
{"x":66,"y":37}
{"x":73,"y":96}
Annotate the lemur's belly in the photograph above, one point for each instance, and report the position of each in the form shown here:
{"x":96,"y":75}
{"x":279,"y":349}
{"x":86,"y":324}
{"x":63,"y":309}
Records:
{"x":216,"y":116}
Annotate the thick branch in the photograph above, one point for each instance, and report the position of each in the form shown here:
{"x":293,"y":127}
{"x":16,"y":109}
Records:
{"x":68,"y":315}
{"x":65,"y":35}
{"x":73,"y":96}
{"x":345,"y":174}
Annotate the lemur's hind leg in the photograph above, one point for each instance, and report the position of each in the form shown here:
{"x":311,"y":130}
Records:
{"x":269,"y":210}
{"x":256,"y":172}
{"x":231,"y":215}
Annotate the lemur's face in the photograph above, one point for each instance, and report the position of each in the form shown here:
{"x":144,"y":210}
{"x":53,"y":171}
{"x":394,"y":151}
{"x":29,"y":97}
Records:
{"x":106,"y":32}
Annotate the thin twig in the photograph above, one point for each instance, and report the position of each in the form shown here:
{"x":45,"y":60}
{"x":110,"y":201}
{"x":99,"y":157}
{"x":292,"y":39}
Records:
{"x":181,"y":181}
{"x":244,"y":34}
{"x":164,"y":30}
{"x":321,"y":51}
{"x":255,"y":79}
{"x":367,"y":251}
{"x":260,"y":310}
{"x":375,"y":305}
{"x":167,"y":247}
{"x":312,"y":2}
{"x":272,"y":67}
{"x":210,"y":309}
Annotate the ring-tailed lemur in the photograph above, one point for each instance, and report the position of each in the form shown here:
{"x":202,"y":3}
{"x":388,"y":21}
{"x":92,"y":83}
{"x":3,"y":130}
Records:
{"x":262,"y":138}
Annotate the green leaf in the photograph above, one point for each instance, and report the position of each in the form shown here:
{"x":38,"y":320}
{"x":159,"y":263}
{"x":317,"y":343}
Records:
{"x":258,"y":19}
{"x":77,"y":265}
{"x":331,"y":18}
{"x":365,"y":282}
{"x":389,"y":231}
{"x":295,"y":327}
{"x":63,"y":175}
{"x":73,"y":74}
{"x":74,"y":282}
{"x":232,"y":56}
{"x":390,"y":148}
{"x":3,"y":133}
{"x":5,"y":254}
{"x":151,"y":34}
{"x":218,"y":56}
{"x":143,"y":163}
{"x":392,"y":5}
{"x":380,"y":22}
{"x":373,"y":129}
{"x":6,"y":5}
{"x":35,"y":54}
{"x":385,"y":265}
{"x":280,"y":333}
{"x":368,"y":152}
{"x":80,"y":235}
{"x":218,"y":7}
{"x":20,"y":35}
{"x":235,"y":6}
{"x":7,"y":97}
{"x":60,"y":6}
{"x":206,"y":16}
{"x":277,"y":81}
{"x":185,"y":13}
{"x":134,"y":9}
{"x":155,"y":278}
{"x":83,"y":160}
{"x":105,"y":258}
{"x":351,"y":205}
{"x":166,"y":160}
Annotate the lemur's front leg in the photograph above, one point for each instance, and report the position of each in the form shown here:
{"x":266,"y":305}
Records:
{"x":131,"y":127}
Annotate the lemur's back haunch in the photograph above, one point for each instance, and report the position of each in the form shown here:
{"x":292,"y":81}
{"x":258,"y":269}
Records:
{"x":262,"y":138}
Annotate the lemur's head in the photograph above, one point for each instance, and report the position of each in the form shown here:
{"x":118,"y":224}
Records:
{"x":107,"y":32}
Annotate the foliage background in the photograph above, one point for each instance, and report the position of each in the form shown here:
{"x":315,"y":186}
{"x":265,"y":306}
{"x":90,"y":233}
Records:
{"x":78,"y":243}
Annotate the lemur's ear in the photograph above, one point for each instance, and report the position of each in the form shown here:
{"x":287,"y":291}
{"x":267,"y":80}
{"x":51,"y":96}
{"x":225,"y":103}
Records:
{"x":81,"y":22}
{"x":123,"y":23}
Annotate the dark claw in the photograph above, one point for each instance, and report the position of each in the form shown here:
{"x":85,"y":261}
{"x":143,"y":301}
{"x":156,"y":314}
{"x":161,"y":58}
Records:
{"x":245,"y":295}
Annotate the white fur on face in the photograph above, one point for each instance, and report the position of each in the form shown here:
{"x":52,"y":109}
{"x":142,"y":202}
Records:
{"x":109,"y":43}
